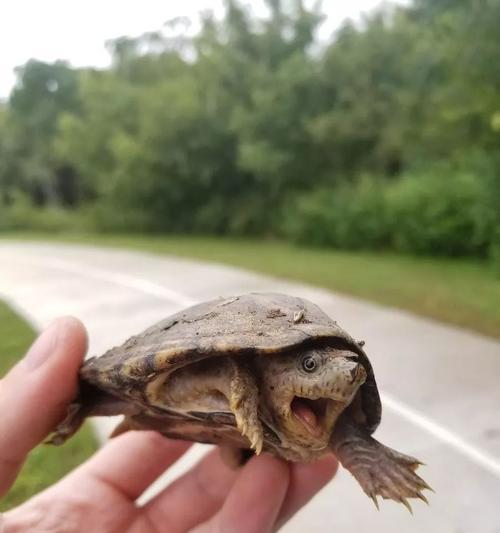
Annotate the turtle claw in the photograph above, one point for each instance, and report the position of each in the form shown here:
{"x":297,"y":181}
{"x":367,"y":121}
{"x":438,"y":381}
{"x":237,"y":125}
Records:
{"x":422,"y":497}
{"x":252,"y":431}
{"x":404,"y":501}
{"x":256,"y":440}
{"x":427,"y":487}
{"x":257,"y":444}
{"x":375,"y":501}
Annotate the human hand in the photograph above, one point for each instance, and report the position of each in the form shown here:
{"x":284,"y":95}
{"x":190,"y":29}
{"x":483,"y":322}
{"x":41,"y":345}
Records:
{"x":100,"y":495}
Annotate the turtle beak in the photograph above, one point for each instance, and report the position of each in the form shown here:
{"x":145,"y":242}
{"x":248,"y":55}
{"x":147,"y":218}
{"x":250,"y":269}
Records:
{"x":353,"y":373}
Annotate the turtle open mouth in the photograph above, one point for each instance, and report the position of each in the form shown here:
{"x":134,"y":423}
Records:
{"x":312,"y":413}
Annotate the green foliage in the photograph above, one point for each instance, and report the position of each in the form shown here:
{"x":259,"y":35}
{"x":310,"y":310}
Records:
{"x":27,"y":128}
{"x":42,"y":92}
{"x":348,"y":216}
{"x":438,"y":212}
{"x":253,"y":126}
{"x":20,"y":215}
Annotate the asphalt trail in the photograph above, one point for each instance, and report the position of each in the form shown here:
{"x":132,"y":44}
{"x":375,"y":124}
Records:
{"x":440,"y":385}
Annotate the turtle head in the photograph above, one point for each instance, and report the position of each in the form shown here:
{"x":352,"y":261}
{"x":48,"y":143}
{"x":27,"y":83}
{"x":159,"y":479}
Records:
{"x":308,"y":390}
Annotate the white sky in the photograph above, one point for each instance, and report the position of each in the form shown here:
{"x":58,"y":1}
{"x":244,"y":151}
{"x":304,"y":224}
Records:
{"x":76,"y":30}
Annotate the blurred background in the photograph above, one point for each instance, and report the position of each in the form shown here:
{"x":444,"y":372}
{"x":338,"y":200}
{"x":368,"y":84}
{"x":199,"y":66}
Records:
{"x":256,"y":121}
{"x":353,"y":146}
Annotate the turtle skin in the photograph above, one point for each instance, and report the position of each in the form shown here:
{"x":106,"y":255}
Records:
{"x":252,"y":372}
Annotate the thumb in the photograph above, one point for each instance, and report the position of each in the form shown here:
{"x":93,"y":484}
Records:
{"x":35,"y":393}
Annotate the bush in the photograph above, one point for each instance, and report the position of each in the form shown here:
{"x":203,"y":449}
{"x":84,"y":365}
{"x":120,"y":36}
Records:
{"x":108,"y":218}
{"x":445,"y":214}
{"x":22,"y":216}
{"x":495,"y":251}
{"x":444,"y":211}
{"x":440,"y":214}
{"x":350,"y":217}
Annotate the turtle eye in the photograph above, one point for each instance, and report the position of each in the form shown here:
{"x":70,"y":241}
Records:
{"x":309,"y":363}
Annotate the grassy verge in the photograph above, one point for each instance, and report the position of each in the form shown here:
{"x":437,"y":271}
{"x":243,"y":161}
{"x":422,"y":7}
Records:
{"x":461,"y":292}
{"x":45,"y":464}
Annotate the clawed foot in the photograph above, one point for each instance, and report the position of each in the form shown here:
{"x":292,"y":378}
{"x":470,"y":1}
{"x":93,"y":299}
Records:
{"x":382,"y":471}
{"x":250,"y":428}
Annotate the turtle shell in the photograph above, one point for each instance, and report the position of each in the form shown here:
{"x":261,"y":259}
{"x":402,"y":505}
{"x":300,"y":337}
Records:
{"x":238,"y":326}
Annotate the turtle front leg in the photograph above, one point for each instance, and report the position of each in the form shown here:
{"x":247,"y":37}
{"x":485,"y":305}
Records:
{"x":215,"y":388}
{"x":381,"y":471}
{"x":90,"y":402}
{"x":243,"y":396}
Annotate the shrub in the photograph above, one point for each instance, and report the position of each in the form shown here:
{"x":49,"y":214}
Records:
{"x":440,"y":214}
{"x":349,"y":216}
{"x":22,"y":216}
{"x":444,"y":213}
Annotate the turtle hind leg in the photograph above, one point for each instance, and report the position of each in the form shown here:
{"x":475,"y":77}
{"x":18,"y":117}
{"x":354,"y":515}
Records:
{"x":381,"y":471}
{"x":69,"y":426}
{"x":90,"y":402}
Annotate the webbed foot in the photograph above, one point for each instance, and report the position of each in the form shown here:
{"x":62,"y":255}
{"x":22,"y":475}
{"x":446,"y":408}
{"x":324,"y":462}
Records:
{"x":381,"y":471}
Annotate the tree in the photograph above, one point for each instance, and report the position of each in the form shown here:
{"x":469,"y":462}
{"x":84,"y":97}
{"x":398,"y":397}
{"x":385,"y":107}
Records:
{"x":42,"y":93}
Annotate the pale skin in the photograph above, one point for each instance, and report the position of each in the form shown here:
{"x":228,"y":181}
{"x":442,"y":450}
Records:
{"x":101,"y":494}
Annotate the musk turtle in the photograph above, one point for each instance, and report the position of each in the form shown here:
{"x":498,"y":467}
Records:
{"x":251,"y":373}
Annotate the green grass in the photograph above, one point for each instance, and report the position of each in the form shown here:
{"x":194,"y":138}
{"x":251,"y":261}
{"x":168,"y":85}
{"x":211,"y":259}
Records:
{"x":461,"y":292}
{"x":46,"y":464}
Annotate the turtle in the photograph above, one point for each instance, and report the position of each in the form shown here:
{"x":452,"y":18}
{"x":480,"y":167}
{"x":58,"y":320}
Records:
{"x":250,"y":373}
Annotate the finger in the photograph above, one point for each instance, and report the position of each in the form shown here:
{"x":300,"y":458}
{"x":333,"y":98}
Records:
{"x":128,"y":464}
{"x":194,"y":497}
{"x":305,"y":481}
{"x":254,"y":502}
{"x":35,"y":393}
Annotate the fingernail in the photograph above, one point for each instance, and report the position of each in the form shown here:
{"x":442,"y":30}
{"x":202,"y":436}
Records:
{"x":43,"y":346}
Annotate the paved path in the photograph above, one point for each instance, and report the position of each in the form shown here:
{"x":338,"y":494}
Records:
{"x":441,"y":385}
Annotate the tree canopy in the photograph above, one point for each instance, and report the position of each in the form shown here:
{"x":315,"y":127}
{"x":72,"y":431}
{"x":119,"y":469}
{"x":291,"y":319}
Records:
{"x":255,"y":126}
